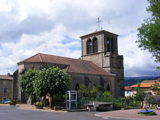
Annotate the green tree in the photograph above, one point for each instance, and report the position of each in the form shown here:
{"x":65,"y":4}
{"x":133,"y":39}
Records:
{"x":27,"y":80}
{"x":84,"y":93}
{"x":52,"y":82}
{"x":156,"y":88}
{"x":94,"y":92}
{"x":149,"y":32}
{"x":140,"y":95}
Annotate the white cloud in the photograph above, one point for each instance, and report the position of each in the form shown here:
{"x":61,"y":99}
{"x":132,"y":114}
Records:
{"x":136,"y":61}
{"x":54,"y":27}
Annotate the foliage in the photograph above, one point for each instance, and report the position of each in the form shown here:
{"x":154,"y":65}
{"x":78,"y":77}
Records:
{"x":148,"y":36}
{"x":39,"y":105}
{"x":88,"y":94}
{"x":13,"y":102}
{"x":107,"y":94}
{"x":139,"y":96}
{"x":51,"y":81}
{"x":84,"y":93}
{"x":126,"y":103}
{"x":156,"y":88}
{"x":94,"y":92}
{"x":27,"y":80}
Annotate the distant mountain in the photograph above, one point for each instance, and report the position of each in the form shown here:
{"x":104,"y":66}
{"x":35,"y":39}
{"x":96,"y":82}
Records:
{"x":133,"y":80}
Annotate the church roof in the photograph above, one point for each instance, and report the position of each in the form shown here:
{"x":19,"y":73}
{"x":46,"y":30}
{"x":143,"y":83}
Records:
{"x":74,"y":65}
{"x":6,"y":77}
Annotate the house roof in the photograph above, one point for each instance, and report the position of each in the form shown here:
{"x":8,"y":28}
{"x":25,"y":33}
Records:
{"x":146,"y":83}
{"x":6,"y":77}
{"x":127,"y":88}
{"x":73,"y":65}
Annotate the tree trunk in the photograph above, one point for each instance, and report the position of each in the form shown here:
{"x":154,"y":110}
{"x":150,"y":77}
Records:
{"x":50,"y":102}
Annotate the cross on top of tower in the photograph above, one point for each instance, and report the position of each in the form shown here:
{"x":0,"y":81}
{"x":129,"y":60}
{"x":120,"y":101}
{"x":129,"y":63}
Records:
{"x":99,"y":23}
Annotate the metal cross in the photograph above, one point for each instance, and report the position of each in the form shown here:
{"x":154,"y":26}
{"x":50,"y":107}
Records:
{"x":98,"y":23}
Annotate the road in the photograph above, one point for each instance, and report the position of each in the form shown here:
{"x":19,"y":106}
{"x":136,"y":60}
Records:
{"x":14,"y":113}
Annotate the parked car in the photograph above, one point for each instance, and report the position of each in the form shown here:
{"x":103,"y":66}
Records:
{"x":5,"y":101}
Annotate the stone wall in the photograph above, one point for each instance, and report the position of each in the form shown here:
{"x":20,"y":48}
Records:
{"x":6,"y":89}
{"x":93,"y":80}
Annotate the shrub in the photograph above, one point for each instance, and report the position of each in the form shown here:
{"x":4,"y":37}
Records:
{"x":13,"y":102}
{"x":39,"y":105}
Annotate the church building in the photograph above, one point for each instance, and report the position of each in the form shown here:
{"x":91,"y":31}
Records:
{"x":99,"y":65}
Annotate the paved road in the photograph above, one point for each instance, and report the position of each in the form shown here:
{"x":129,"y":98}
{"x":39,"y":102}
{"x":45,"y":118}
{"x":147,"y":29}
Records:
{"x":12,"y":113}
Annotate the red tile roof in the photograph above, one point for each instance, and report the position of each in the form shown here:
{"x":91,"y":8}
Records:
{"x":74,"y":65}
{"x":146,"y":83}
{"x":6,"y":77}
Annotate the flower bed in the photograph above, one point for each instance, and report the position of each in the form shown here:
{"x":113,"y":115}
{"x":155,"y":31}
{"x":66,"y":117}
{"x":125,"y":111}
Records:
{"x":147,"y":112}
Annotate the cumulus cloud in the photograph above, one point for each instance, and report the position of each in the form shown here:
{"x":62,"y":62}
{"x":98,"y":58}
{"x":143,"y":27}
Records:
{"x":136,"y":61}
{"x":54,"y":26}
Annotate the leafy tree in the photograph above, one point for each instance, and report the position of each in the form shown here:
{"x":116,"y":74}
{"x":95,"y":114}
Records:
{"x":140,"y":95}
{"x":27,"y":80}
{"x":84,"y":93}
{"x":94,"y":91}
{"x":39,"y":85}
{"x":52,"y":82}
{"x":149,"y":32}
{"x":156,"y":88}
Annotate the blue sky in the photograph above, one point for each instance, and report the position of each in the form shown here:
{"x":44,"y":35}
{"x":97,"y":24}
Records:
{"x":54,"y":27}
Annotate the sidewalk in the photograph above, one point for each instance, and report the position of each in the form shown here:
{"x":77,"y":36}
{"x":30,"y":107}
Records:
{"x":32,"y":107}
{"x":128,"y":115}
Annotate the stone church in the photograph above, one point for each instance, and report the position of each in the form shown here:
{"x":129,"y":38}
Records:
{"x":99,"y":65}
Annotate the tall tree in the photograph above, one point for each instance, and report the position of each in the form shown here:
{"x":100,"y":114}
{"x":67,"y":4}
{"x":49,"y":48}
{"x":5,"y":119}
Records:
{"x":52,"y":82}
{"x":140,"y":94}
{"x":27,"y":80}
{"x":156,"y":88}
{"x":149,"y":32}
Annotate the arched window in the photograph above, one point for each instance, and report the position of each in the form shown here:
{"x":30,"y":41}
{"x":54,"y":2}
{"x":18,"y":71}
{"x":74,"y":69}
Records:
{"x":102,"y":83}
{"x":77,"y":87}
{"x":86,"y":81}
{"x":108,"y":87}
{"x":89,"y":46}
{"x":107,"y":44}
{"x":112,"y":45}
{"x":95,"y":45}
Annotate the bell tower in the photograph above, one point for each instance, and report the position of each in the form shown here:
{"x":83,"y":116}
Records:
{"x":101,"y":47}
